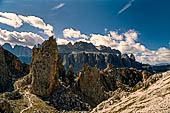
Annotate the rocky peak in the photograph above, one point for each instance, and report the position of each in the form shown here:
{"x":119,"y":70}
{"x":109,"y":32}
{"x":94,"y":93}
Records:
{"x":7,"y":46}
{"x":45,"y":69}
{"x":89,"y":86}
{"x":132,"y":57}
{"x":70,"y":75}
{"x":106,"y":49}
{"x":126,"y":60}
{"x":84,"y":46}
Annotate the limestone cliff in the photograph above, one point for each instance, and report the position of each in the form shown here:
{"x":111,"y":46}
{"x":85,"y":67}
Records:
{"x":86,"y":53}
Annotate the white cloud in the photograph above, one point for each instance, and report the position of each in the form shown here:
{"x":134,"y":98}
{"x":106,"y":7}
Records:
{"x":38,"y":23}
{"x":131,"y":36}
{"x":126,"y":7}
{"x":71,"y":33}
{"x":17,"y":21}
{"x":20,"y":38}
{"x":162,"y":55}
{"x":98,"y":39}
{"x":10,"y":19}
{"x":61,"y":41}
{"x":58,"y":6}
{"x":125,"y":42}
{"x":115,"y":35}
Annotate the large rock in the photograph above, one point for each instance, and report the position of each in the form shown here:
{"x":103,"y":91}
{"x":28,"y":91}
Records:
{"x":89,"y":86}
{"x":45,"y":69}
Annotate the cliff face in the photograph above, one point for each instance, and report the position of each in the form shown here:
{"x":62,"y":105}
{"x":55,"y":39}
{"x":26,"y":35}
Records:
{"x":89,"y":85}
{"x":86,"y":53}
{"x":100,"y":60}
{"x":11,"y":69}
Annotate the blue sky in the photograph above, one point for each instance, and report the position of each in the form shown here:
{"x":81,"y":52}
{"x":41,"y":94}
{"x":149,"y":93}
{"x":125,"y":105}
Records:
{"x":150,"y":19}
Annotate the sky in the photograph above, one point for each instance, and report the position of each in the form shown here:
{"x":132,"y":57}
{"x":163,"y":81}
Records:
{"x":140,"y":27}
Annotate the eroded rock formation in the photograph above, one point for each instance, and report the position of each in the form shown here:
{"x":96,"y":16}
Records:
{"x":45,"y":69}
{"x":89,"y":86}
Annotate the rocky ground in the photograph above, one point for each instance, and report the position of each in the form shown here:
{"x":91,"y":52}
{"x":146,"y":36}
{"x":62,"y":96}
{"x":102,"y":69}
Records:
{"x":153,"y":97}
{"x":49,"y":89}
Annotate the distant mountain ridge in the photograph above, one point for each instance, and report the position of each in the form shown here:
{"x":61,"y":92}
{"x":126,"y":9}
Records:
{"x":81,"y":53}
{"x":161,"y":68}
{"x":96,"y":56}
{"x":24,"y":53}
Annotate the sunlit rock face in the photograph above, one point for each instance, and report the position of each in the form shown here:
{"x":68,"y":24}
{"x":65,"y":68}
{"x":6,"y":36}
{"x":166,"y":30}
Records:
{"x":11,"y":68}
{"x":45,"y":69}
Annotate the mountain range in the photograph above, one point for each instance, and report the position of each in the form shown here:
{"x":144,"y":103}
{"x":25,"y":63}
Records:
{"x":81,"y":53}
{"x":46,"y":87}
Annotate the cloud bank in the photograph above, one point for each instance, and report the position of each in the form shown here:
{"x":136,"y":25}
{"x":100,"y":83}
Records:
{"x":126,"y":42}
{"x":23,"y":38}
{"x":20,"y":38}
{"x":16,"y":21}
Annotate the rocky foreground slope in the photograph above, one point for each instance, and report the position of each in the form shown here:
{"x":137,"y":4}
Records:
{"x":49,"y":89}
{"x":153,"y":97}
